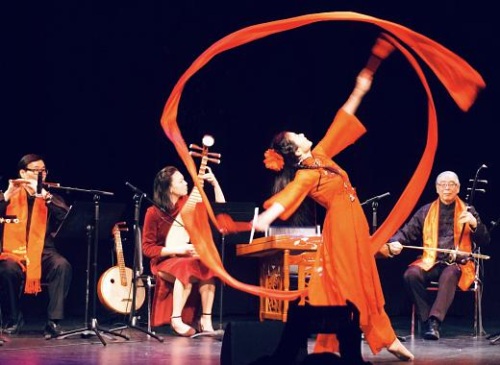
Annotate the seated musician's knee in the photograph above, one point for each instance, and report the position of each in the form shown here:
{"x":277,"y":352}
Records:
{"x":412,"y":274}
{"x":167,"y":277}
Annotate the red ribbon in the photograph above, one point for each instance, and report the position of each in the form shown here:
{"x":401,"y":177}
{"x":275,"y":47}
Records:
{"x":461,"y":81}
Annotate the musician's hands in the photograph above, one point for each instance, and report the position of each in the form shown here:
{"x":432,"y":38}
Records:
{"x":463,"y":259}
{"x":395,"y":247}
{"x":267,"y":217}
{"x":260,"y":225}
{"x":30,"y":185}
{"x":391,"y":249}
{"x":210,"y":177}
{"x":467,"y":217}
{"x":14,"y":186}
{"x":186,"y":249}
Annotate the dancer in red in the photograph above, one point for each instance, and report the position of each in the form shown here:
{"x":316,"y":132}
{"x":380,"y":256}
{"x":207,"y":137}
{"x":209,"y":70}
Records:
{"x":461,"y":81}
{"x":346,"y":269}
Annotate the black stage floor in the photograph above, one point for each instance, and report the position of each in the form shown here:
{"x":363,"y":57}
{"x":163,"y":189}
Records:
{"x":457,"y":346}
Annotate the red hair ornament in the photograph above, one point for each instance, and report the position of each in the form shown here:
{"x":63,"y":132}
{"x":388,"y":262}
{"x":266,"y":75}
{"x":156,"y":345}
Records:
{"x":273,"y":160}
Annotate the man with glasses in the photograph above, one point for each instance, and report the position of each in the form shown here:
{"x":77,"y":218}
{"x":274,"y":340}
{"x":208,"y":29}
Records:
{"x":28,"y":255}
{"x":447,"y":223}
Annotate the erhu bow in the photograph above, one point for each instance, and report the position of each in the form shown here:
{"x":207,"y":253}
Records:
{"x":454,"y":253}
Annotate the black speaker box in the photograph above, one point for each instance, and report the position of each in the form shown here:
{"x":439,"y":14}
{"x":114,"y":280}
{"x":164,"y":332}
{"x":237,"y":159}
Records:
{"x":246,"y":341}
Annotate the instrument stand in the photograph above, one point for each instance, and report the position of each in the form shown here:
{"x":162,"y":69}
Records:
{"x":137,"y":272}
{"x":495,"y":336}
{"x":478,"y":297}
{"x":79,"y":214}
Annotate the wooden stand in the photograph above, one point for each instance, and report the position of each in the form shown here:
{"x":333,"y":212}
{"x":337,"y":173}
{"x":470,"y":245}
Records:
{"x":276,"y":255}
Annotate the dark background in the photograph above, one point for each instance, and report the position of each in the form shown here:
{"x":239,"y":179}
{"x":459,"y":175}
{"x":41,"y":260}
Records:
{"x":84,"y":85}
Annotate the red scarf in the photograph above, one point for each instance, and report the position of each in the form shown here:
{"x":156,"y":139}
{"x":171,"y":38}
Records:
{"x":23,"y":246}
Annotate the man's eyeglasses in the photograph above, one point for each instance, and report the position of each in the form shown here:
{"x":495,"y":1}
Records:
{"x":445,"y":185}
{"x":37,"y":171}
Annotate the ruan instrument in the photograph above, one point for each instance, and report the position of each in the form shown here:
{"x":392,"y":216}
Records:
{"x":115,"y":287}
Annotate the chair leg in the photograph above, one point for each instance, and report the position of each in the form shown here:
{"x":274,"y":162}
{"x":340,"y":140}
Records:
{"x":150,"y":284}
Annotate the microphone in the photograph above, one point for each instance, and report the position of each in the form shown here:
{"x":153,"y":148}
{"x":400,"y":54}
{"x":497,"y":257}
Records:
{"x":39,"y":184}
{"x":383,"y":195}
{"x":134,"y":189}
{"x":375,"y":198}
{"x":483,"y":166}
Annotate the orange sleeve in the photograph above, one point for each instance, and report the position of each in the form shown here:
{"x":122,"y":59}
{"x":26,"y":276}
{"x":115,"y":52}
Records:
{"x":344,"y":131}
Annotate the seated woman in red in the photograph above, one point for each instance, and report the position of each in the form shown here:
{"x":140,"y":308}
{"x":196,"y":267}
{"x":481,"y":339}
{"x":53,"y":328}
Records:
{"x":174,"y":260}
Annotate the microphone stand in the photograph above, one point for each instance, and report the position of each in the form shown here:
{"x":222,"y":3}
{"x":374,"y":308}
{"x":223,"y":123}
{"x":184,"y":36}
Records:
{"x":374,"y":202}
{"x":138,"y":269}
{"x":495,"y":336}
{"x":92,"y":326}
